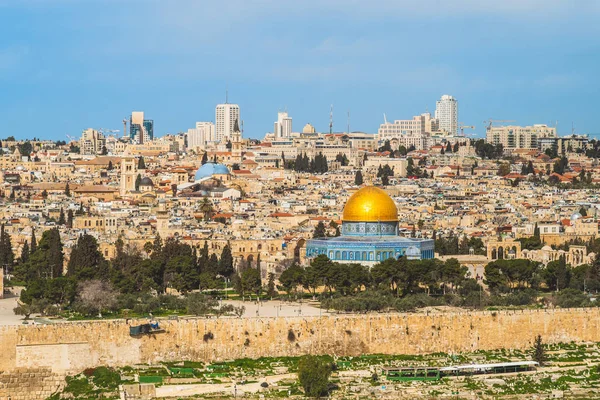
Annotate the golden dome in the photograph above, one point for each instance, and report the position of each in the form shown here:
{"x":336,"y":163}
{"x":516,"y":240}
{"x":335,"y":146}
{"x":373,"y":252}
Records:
{"x":370,"y":204}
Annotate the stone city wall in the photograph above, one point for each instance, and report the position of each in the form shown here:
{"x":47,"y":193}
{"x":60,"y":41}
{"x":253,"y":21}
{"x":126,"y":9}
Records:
{"x":72,"y":347}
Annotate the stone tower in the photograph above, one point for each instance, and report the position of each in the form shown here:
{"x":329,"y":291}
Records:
{"x":129,"y":173}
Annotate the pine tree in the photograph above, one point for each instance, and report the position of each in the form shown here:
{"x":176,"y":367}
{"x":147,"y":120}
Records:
{"x":157,"y":246}
{"x":86,"y":261}
{"x":67,"y":190}
{"x":319,"y":230}
{"x":358,"y":178}
{"x":61,"y":218}
{"x":539,"y":353}
{"x":141,"y":163}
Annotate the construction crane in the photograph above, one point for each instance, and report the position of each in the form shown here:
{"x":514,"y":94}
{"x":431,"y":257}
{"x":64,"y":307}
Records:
{"x":71,"y":138}
{"x":491,"y":121}
{"x":462,"y":128}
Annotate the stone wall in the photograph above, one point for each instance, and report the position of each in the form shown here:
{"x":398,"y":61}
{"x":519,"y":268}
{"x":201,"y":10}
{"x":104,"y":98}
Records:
{"x":30,"y":383}
{"x":70,"y":348}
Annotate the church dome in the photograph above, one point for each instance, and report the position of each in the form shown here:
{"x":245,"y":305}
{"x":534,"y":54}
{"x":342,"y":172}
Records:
{"x":146,"y":182}
{"x":370,"y":204}
{"x":209,"y":169}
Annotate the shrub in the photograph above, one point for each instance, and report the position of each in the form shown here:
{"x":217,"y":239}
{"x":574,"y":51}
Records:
{"x":106,"y":378}
{"x":568,"y":298}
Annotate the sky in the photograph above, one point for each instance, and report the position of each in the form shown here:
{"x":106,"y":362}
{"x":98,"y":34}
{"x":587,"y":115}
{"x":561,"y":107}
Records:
{"x":66,"y":65}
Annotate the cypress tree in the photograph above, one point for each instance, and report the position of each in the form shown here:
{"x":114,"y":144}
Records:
{"x":54,"y":253}
{"x":358,"y":178}
{"x":25,"y":253}
{"x":204,"y":158}
{"x":70,"y":219}
{"x":157,"y":247}
{"x":86,"y":261}
{"x":33,"y":241}
{"x":110,"y":166}
{"x":7,"y":257}
{"x":67,"y":190}
{"x":141,"y":163}
{"x":138,"y":180}
{"x":61,"y":218}
{"x":226,"y":262}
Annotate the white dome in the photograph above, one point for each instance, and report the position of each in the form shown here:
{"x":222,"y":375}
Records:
{"x":576,"y":216}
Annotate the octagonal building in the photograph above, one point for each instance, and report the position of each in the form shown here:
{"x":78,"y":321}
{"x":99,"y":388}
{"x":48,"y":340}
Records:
{"x":369,"y":233}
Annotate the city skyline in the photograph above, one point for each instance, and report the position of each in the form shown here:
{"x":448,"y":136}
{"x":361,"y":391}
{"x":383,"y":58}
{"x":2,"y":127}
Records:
{"x":494,"y":60}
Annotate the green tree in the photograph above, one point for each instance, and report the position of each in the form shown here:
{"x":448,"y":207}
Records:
{"x":251,"y":282}
{"x":70,"y":219}
{"x":539,"y":352}
{"x":271,"y":290}
{"x":138,"y":180}
{"x":141,"y":163}
{"x":25,"y":253}
{"x":291,"y":278}
{"x":61,"y":218}
{"x":504,"y":169}
{"x":313,"y":375}
{"x":319,"y":231}
{"x":358,"y":178}
{"x":86,"y":262}
{"x":7,"y":256}
{"x":110,"y":166}
{"x":67,"y":190}
{"x":204,"y":158}
{"x":226,"y":262}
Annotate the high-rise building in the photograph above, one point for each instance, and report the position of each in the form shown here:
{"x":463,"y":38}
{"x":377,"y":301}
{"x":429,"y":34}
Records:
{"x":409,"y":132}
{"x":225,"y":117}
{"x":283,"y":126}
{"x":201,"y":135}
{"x":91,"y":142}
{"x":446,"y":111}
{"x":140,"y":130}
{"x":519,"y":137}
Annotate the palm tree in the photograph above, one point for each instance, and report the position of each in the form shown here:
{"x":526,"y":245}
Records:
{"x":207,"y":209}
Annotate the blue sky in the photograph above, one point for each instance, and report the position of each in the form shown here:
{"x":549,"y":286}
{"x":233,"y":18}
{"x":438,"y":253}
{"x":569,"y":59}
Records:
{"x":66,"y":65}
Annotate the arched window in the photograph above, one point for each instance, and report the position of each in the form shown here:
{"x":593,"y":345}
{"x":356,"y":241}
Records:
{"x":337,"y":255}
{"x":344,"y":255}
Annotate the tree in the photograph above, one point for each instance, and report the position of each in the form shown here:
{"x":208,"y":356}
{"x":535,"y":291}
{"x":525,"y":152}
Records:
{"x":539,"y":352}
{"x":448,"y":148}
{"x":7,"y":256}
{"x":44,"y":194}
{"x":96,"y":296}
{"x":199,"y":304}
{"x":226,"y":262}
{"x":141,"y":163}
{"x":110,"y":166}
{"x":504,"y":169}
{"x":138,"y":180}
{"x":358,"y":178}
{"x":33,"y":241}
{"x":291,"y":278}
{"x":250,"y":280}
{"x":67,"y":190}
{"x":104,"y":151}
{"x":86,"y":261}
{"x":25,"y":253}
{"x":70,"y":218}
{"x":271,"y":285}
{"x":313,"y":374}
{"x":319,"y":230}
{"x":61,"y":218}
{"x":204,"y":158}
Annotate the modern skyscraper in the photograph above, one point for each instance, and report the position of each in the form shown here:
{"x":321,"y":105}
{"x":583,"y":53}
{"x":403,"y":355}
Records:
{"x":283,"y":126}
{"x":137,"y":125}
{"x":199,"y":136}
{"x":446,"y":111}
{"x":226,"y":115}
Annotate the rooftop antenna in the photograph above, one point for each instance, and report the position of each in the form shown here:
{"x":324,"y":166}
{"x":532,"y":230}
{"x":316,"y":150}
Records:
{"x":331,"y":120}
{"x":226,"y":95}
{"x":348,"y":121}
{"x":572,"y":128}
